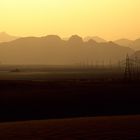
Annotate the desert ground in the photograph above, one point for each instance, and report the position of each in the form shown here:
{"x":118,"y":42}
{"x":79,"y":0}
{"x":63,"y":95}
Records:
{"x":97,"y":128}
{"x":63,"y":103}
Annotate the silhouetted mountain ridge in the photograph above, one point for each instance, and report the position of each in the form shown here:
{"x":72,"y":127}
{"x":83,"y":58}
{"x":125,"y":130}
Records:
{"x":54,"y":50}
{"x":124,"y":42}
{"x":95,"y":38}
{"x":134,"y":44}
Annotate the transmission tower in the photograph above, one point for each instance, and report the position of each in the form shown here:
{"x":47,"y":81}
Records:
{"x":128,"y":72}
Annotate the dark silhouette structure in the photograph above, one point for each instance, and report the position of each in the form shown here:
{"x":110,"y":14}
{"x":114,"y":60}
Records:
{"x":128,"y":69}
{"x":132,"y":69}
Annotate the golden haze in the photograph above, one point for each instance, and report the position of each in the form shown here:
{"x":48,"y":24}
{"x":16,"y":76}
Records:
{"x":110,"y":19}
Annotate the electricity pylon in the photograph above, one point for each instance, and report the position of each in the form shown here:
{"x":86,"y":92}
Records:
{"x":128,"y":72}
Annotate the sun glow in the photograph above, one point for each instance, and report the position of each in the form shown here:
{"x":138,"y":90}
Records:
{"x":106,"y":18}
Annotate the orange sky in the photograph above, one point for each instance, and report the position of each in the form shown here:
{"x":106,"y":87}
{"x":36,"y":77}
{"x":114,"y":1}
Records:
{"x":110,"y":19}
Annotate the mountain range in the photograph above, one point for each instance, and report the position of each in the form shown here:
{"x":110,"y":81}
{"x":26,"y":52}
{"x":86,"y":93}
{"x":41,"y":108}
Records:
{"x":95,"y":38}
{"x":53,"y":50}
{"x":134,"y":44}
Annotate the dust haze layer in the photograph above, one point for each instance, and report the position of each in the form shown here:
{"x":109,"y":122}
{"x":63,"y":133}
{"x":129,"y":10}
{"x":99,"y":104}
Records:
{"x":52,"y":50}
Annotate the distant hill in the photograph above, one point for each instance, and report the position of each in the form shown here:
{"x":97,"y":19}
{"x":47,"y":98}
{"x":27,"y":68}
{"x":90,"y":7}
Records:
{"x":136,"y":55}
{"x":134,"y":44}
{"x":124,"y":42}
{"x":95,"y":38}
{"x":54,"y":50}
{"x":4,"y":37}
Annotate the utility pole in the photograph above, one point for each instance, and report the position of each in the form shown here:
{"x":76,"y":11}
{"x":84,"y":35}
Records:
{"x":128,"y":72}
{"x":136,"y":68}
{"x":103,"y":64}
{"x":110,"y":64}
{"x":96,"y":65}
{"x":119,"y":65}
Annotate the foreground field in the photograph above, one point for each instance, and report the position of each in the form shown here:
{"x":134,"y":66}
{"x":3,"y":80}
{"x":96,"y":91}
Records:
{"x":57,"y":94}
{"x":97,"y":128}
{"x":37,"y":100}
{"x":36,"y":94}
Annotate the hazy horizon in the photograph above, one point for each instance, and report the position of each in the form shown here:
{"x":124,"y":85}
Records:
{"x":99,"y":20}
{"x":85,"y":38}
{"x":107,"y":19}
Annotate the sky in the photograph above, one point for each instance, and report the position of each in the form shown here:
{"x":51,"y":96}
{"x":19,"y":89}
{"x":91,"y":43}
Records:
{"x":109,"y":19}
